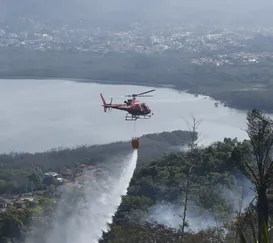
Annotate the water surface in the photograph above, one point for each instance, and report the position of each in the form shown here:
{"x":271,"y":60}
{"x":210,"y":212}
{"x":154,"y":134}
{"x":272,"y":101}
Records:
{"x":38,"y":115}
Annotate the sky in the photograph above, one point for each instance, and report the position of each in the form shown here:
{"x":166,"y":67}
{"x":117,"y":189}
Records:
{"x":124,"y":10}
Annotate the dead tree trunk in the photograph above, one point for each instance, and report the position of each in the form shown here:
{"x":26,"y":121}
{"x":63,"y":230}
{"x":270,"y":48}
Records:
{"x":195,"y":138}
{"x":262,"y":212}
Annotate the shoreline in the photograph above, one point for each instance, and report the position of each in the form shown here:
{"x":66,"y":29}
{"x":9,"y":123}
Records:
{"x":119,"y":82}
{"x":99,"y":81}
{"x":217,"y":99}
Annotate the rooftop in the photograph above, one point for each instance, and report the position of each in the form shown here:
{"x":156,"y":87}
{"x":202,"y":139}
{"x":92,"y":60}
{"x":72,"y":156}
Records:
{"x":51,"y":174}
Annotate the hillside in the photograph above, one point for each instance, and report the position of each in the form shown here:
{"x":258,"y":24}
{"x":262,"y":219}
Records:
{"x":216,"y":188}
{"x":15,"y":167}
{"x":153,"y":208}
{"x":201,"y":195}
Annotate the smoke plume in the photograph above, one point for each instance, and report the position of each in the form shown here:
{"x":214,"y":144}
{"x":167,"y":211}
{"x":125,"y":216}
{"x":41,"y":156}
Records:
{"x":237,"y":198}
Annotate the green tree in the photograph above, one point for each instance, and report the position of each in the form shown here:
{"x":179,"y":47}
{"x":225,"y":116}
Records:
{"x":50,"y":190}
{"x":259,"y":167}
{"x":11,"y":225}
{"x":36,"y":179}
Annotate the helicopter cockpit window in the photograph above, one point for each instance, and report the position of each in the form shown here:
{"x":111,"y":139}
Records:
{"x":144,"y":105}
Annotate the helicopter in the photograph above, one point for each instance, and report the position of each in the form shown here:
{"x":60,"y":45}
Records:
{"x":135,"y":109}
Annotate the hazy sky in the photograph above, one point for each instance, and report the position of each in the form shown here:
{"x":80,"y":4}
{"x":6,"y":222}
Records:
{"x":132,"y":9}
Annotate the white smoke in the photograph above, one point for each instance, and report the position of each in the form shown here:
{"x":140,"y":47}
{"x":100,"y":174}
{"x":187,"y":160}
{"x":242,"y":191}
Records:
{"x":97,"y":204}
{"x":170,"y":214}
{"x":240,"y":196}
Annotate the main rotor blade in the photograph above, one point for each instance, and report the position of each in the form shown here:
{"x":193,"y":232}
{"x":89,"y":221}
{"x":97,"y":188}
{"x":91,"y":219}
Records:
{"x":139,"y":96}
{"x":146,"y":92}
{"x":145,"y":96}
{"x":134,"y":95}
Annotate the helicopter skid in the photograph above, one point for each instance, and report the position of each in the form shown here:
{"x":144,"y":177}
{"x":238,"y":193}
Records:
{"x":130,"y":117}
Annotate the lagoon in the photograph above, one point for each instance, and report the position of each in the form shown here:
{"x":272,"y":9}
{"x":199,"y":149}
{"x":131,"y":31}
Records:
{"x":39,"y":115}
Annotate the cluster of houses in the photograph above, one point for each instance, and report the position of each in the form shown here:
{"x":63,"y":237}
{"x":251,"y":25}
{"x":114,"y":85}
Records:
{"x":16,"y":202}
{"x":70,"y":178}
{"x":72,"y":175}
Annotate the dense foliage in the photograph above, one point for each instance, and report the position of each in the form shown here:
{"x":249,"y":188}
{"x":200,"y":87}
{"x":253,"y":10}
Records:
{"x":216,"y":180}
{"x":162,"y":180}
{"x":214,"y":175}
{"x":17,"y":175}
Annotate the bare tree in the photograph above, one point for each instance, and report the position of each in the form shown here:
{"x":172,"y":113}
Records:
{"x":195,"y":139}
{"x":184,"y":221}
{"x":239,"y":214}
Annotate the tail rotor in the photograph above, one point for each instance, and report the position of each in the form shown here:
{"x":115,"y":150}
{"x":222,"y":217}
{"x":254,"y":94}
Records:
{"x":105,"y":105}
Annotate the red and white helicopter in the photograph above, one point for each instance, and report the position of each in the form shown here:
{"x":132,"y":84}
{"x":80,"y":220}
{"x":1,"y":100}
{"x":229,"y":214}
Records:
{"x":135,"y":109}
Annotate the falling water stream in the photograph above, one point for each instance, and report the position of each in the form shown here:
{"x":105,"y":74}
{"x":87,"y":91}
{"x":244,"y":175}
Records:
{"x":96,"y":203}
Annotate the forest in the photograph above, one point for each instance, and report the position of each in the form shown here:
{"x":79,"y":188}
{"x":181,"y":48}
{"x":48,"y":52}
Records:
{"x":210,"y":183}
{"x":15,"y":167}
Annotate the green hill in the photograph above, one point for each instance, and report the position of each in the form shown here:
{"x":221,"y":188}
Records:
{"x":16,"y":166}
{"x":205,"y":187}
